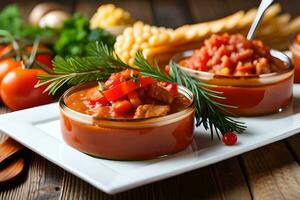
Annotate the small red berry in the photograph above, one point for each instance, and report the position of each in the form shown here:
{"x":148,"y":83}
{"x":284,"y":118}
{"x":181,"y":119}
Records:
{"x":229,"y":138}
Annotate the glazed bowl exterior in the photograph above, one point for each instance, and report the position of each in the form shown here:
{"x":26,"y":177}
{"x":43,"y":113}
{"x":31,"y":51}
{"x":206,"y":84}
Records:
{"x":254,"y":94}
{"x":127,"y":139}
{"x":295,"y":50}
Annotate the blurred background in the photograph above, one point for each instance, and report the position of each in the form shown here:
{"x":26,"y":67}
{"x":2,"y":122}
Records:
{"x":170,"y":13}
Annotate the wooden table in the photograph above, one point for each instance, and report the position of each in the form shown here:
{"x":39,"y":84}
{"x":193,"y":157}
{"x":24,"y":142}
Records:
{"x":270,"y":172}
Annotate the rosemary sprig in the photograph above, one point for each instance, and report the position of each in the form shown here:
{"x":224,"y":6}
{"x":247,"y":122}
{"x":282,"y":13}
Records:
{"x":102,"y":62}
{"x":211,"y":114}
{"x":98,"y":66}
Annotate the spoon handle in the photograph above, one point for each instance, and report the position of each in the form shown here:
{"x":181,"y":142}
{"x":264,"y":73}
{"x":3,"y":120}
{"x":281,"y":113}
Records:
{"x":8,"y":149}
{"x":260,"y":13}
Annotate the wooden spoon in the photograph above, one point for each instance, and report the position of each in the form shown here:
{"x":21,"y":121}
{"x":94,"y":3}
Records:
{"x":8,"y":149}
{"x":12,"y":171}
{"x":10,"y":168}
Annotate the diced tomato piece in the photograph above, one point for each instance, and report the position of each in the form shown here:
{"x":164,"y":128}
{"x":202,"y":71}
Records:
{"x":145,"y":81}
{"x":120,"y":77}
{"x":113,"y":80}
{"x":122,"y":106}
{"x":128,"y":73}
{"x":246,"y":69}
{"x":172,"y":88}
{"x":126,"y":87}
{"x":120,"y":90}
{"x":245,"y":55}
{"x":134,"y":99}
{"x":95,"y":96}
{"x":101,"y":99}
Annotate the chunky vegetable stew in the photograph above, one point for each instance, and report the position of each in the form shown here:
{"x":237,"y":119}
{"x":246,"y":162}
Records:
{"x":232,"y":55}
{"x":128,"y":94}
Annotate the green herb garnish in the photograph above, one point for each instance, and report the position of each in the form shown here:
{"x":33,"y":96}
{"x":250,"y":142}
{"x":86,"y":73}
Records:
{"x":101,"y":86}
{"x":76,"y":34}
{"x":11,"y":21}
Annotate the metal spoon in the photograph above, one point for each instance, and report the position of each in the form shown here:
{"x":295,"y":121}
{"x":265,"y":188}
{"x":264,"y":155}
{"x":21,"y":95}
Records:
{"x":260,"y":13}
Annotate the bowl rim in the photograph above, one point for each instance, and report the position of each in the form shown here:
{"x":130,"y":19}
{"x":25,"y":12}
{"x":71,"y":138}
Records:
{"x":85,"y":118}
{"x":292,"y":41}
{"x":274,"y":53}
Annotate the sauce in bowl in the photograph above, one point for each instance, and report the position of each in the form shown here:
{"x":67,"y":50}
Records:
{"x":131,"y":135}
{"x":257,"y":84}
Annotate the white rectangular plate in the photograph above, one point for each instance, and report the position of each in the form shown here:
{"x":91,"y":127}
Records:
{"x":39,"y":130}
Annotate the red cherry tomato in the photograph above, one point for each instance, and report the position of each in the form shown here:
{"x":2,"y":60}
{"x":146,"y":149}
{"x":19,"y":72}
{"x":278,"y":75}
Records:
{"x":18,"y":89}
{"x":229,"y":138}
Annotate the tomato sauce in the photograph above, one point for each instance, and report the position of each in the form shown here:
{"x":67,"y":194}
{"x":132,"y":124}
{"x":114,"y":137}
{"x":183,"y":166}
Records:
{"x":125,"y":138}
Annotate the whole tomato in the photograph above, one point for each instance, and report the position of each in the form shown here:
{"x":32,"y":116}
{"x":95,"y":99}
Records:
{"x":7,"y":65}
{"x":18,"y":89}
{"x":43,"y":55}
{"x":45,"y":59}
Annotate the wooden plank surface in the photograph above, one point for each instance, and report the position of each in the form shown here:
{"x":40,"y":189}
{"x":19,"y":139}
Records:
{"x":271,"y":172}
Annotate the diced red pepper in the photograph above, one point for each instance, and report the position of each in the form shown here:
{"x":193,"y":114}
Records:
{"x":126,"y":87}
{"x":120,"y":90}
{"x":122,"y":106}
{"x":95,"y":96}
{"x":112,"y":81}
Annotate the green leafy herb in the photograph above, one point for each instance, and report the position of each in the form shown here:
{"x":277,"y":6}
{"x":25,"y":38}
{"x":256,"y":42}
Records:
{"x":75,"y":70}
{"x":135,"y":78}
{"x":76,"y":34}
{"x":101,"y":86}
{"x":11,"y":21}
{"x":101,"y":62}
